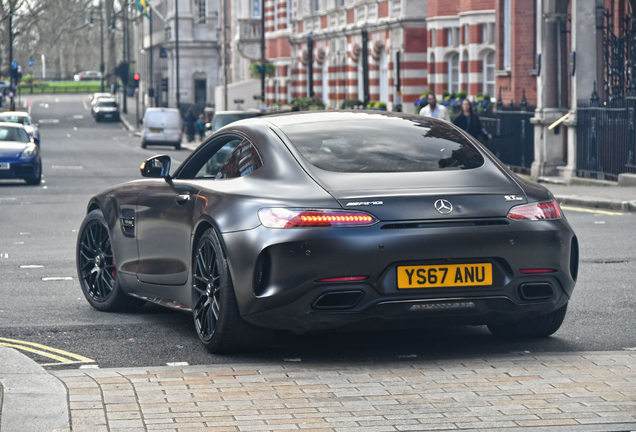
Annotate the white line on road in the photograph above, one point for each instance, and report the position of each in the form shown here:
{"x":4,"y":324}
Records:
{"x":49,"y":121}
{"x":4,"y":255}
{"x":24,"y":233}
{"x":178,"y":364}
{"x":51,"y":279}
{"x":85,"y":105}
{"x":599,"y":222}
{"x":77,"y":167}
{"x":17,"y":243}
{"x":31,"y":266}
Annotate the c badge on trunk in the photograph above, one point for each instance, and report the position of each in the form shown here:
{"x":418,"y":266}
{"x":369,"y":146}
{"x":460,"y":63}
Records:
{"x":443,"y":206}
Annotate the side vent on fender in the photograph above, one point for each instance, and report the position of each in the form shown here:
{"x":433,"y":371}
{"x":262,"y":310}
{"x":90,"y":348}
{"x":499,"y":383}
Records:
{"x":128,"y":221}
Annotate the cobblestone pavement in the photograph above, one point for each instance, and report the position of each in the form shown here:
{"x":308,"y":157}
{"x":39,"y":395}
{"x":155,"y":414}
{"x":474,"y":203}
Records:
{"x":538,"y":392}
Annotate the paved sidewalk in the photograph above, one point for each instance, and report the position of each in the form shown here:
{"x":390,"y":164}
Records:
{"x":537,"y":392}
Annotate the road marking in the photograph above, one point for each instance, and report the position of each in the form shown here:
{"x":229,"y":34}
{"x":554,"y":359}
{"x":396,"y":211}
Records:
{"x":586,"y":210}
{"x":24,"y":233}
{"x":77,"y":167}
{"x":85,"y":106}
{"x":78,"y":117}
{"x":31,"y":266}
{"x":62,"y":357}
{"x":177,"y":364}
{"x":55,"y":278}
{"x":91,"y":366}
{"x":49,"y":121}
{"x":4,"y":255}
{"x":599,"y":222}
{"x":17,"y":243}
{"x":57,"y":100}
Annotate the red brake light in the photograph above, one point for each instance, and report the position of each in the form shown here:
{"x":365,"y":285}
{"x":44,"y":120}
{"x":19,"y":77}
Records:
{"x":536,"y":211}
{"x":344,"y":279}
{"x":293,"y":218}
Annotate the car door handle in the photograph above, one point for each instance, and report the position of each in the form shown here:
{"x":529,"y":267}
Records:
{"x":182,"y":198}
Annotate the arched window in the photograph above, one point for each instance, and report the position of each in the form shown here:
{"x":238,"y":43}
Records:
{"x":325,"y":81}
{"x":453,"y":73}
{"x":489,"y":73}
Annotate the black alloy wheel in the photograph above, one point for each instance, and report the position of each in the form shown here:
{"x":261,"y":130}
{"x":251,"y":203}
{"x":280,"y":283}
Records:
{"x":37,"y":179}
{"x":96,"y":267}
{"x":216,"y":316}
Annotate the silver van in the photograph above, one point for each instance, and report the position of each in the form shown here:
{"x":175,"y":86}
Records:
{"x":162,"y":126}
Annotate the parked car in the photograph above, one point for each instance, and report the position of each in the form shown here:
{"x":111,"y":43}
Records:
{"x":96,"y":96}
{"x":224,"y":118}
{"x":325,"y":220}
{"x":23,"y":118}
{"x":19,"y":154}
{"x":88,"y":76}
{"x":105,"y":109}
{"x":5,"y":87}
{"x":162,"y":126}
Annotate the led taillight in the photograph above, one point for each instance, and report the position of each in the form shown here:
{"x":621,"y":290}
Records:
{"x":536,"y":271}
{"x":344,"y":279}
{"x":536,"y":211}
{"x":295,"y":218}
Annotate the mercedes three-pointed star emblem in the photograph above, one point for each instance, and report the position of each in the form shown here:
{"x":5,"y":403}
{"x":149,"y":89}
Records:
{"x":443,"y":206}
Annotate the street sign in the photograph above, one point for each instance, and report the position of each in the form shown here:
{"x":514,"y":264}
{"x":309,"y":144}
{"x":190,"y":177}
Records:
{"x":31,"y":62}
{"x":14,"y":64}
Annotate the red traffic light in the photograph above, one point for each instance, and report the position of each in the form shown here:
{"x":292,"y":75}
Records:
{"x":136,"y":77}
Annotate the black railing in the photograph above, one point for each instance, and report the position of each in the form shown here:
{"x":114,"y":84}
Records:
{"x":512,"y":137}
{"x":606,"y":141}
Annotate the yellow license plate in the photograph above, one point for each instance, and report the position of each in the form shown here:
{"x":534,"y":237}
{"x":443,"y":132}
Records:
{"x":156,"y":130}
{"x":438,"y":276}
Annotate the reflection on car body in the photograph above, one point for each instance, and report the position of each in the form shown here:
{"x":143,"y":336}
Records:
{"x":317,"y":221}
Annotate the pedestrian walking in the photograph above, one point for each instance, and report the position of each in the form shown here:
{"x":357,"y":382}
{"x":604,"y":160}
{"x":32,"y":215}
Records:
{"x":200,"y":127}
{"x":469,"y":121}
{"x":435,"y":110}
{"x":191,"y":120}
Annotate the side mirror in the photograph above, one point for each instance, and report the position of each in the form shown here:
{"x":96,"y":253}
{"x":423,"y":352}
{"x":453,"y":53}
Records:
{"x":36,"y":141}
{"x":156,"y":167}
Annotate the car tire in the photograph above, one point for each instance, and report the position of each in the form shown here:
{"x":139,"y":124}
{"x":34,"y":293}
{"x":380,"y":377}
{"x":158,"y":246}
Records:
{"x":177,"y":146}
{"x":535,"y":327}
{"x":217,"y":320}
{"x":144,"y":144}
{"x":35,"y":180}
{"x":96,"y":268}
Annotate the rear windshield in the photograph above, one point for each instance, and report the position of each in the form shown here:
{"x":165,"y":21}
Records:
{"x":383,"y":145}
{"x":13,"y":134}
{"x":107,"y":104}
{"x":225,"y":119}
{"x":15,"y":119}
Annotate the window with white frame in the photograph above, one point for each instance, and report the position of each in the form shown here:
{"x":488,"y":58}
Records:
{"x":290,"y":11}
{"x":275,"y":15}
{"x":466,"y":34}
{"x":339,"y":3}
{"x":484,"y":33}
{"x":489,"y":73}
{"x":289,"y":90}
{"x":255,"y":8}
{"x":453,"y":73}
{"x":315,"y":5}
{"x":200,"y":7}
{"x":449,"y":37}
{"x":433,"y":38}
{"x":506,"y":36}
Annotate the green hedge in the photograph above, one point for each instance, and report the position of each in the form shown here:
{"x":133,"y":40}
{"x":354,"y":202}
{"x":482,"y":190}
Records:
{"x":27,"y":86}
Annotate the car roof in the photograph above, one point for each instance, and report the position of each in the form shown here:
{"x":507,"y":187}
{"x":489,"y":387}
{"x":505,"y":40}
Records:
{"x":14,"y":113}
{"x":13,"y":125}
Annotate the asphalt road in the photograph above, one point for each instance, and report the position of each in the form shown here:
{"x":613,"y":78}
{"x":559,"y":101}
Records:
{"x":38,"y":230}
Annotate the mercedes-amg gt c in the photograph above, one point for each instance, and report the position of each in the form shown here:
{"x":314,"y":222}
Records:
{"x":317,"y":221}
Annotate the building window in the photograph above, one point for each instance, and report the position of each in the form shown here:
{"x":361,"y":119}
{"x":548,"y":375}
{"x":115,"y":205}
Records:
{"x":276,"y":96}
{"x":453,"y":73}
{"x":256,"y":8}
{"x":384,"y":77}
{"x":168,"y":33}
{"x":325,"y":81}
{"x":489,"y":73}
{"x":275,"y":15}
{"x":339,"y":3}
{"x":466,"y":34}
{"x":200,"y":11}
{"x":506,"y":36}
{"x":433,"y":38}
{"x":315,"y":5}
{"x":200,"y":91}
{"x":449,"y":37}
{"x":290,"y":11}
{"x":431,"y":74}
{"x":289,"y":91}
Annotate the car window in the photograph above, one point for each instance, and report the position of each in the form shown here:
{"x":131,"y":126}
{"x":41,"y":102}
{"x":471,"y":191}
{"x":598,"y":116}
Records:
{"x":222,"y":120}
{"x":396,"y":145}
{"x":107,"y":104}
{"x":14,"y":134}
{"x":15,"y":119}
{"x":244,"y":160}
{"x":207,"y":161}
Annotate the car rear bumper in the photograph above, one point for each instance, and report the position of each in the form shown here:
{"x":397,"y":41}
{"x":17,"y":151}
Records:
{"x":275,"y":273}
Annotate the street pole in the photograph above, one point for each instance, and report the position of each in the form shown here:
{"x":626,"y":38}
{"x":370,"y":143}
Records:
{"x":151,"y":93}
{"x":101,"y":40}
{"x":13,"y":83}
{"x":176,"y":30}
{"x":263,"y":68}
{"x":125,"y":53}
{"x":224,"y":51}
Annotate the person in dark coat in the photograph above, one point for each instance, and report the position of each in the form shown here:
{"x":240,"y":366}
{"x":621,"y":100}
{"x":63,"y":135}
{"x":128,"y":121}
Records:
{"x":191,"y":120}
{"x":469,"y":121}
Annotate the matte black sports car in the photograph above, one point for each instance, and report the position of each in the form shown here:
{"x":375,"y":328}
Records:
{"x":316,"y":221}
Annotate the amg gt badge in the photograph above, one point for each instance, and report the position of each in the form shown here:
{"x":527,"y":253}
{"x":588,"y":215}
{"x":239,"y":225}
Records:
{"x":443,"y":206}
{"x":364,"y":203}
{"x":513,"y":198}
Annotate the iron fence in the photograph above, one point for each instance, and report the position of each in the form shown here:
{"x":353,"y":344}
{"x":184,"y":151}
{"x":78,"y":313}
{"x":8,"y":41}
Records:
{"x":512,"y":137}
{"x":605,"y":139}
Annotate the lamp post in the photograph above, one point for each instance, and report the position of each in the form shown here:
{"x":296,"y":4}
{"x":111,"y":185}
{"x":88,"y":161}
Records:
{"x":101,"y":41}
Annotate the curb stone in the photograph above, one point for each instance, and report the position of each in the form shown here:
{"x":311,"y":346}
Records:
{"x":599,"y":203}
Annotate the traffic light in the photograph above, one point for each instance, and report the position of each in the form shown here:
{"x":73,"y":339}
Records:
{"x":136,"y":78}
